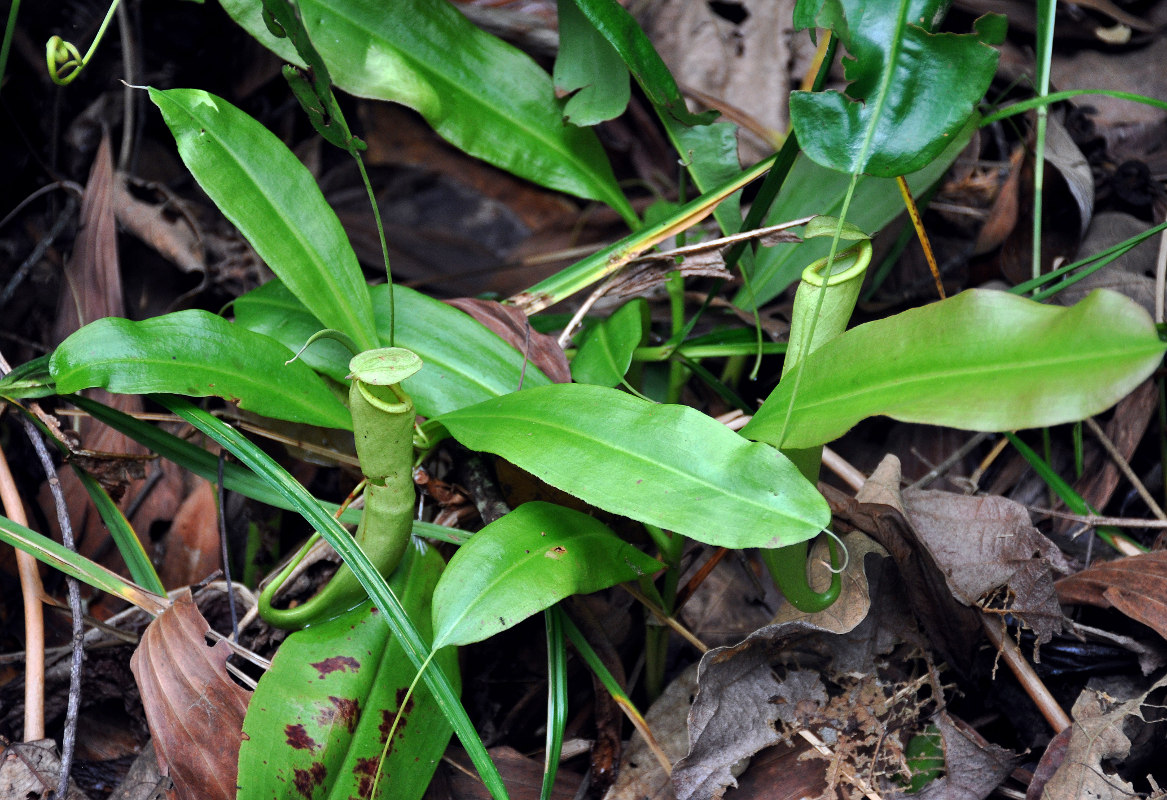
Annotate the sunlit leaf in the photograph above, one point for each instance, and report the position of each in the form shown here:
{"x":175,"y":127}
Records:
{"x":982,"y":360}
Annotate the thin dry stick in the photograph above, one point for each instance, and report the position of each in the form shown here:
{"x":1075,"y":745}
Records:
{"x":843,"y":468}
{"x":659,"y":613}
{"x":69,"y":738}
{"x":1160,"y":276}
{"x":1093,"y":520}
{"x":1125,"y":467}
{"x":1030,"y":682}
{"x":949,"y":462}
{"x":848,"y":773}
{"x":31,"y":591}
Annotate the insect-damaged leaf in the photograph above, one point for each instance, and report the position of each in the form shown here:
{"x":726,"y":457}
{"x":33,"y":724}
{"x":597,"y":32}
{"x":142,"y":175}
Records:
{"x":525,"y":562}
{"x":318,"y":721}
{"x":193,"y":707}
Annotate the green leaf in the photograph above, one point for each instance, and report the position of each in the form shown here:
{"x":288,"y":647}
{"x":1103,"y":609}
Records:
{"x":588,"y":69}
{"x":668,"y":465}
{"x":982,"y":360}
{"x":198,"y":354}
{"x":623,"y":32}
{"x":78,"y":566}
{"x":404,"y":631}
{"x":479,"y":93}
{"x":605,"y":353}
{"x":525,"y":562}
{"x":275,"y":203}
{"x":128,"y":544}
{"x":813,"y":189}
{"x":30,"y":381}
{"x":911,"y":90}
{"x":465,"y":362}
{"x":330,"y":697}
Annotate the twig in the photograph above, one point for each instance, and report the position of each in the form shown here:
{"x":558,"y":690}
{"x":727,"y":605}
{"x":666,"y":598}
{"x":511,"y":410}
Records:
{"x":821,"y":746}
{"x":69,"y":738}
{"x":221,"y":497}
{"x":949,"y":462}
{"x":1030,"y":682}
{"x":1093,"y":520}
{"x":38,"y":252}
{"x":659,"y":613}
{"x":1125,"y":468}
{"x":844,"y":469}
{"x":31,"y":592}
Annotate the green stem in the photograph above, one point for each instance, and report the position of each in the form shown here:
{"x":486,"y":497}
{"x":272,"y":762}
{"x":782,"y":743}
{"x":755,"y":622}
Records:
{"x":60,"y":54}
{"x":9,"y":31}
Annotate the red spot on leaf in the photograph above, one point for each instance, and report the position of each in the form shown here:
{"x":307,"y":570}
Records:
{"x":335,"y":664}
{"x":298,"y":738}
{"x":344,"y":710}
{"x":306,"y":780}
{"x":366,"y":768}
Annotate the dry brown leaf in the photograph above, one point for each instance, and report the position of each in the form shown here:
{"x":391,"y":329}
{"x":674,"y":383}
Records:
{"x":29,"y":771}
{"x":1136,"y":586}
{"x":740,"y":58}
{"x":510,"y":323}
{"x":973,"y":767}
{"x":991,"y":555}
{"x":172,"y":235}
{"x":855,"y":597}
{"x":1097,"y":735}
{"x":522,"y":776}
{"x":192,"y":546}
{"x":735,"y":713}
{"x":194,"y":709}
{"x":1132,"y":273}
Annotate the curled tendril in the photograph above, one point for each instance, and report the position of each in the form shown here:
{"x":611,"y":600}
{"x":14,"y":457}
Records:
{"x":65,"y":61}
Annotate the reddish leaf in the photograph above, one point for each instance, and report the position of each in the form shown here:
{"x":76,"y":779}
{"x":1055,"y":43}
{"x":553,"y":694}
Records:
{"x":510,"y":323}
{"x":194,"y":709}
{"x":1136,"y":586}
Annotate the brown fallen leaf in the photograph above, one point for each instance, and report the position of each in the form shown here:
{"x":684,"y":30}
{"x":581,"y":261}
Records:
{"x":1097,"y":734}
{"x":522,"y":776}
{"x":1136,"y":586}
{"x":194,"y":709}
{"x":973,"y":767}
{"x":29,"y":770}
{"x":510,"y":323}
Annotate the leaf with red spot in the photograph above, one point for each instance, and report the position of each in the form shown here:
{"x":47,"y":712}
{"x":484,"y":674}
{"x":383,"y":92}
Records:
{"x":319,"y":719}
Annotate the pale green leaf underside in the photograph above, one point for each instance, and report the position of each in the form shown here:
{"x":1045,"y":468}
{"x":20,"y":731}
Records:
{"x":983,"y":360}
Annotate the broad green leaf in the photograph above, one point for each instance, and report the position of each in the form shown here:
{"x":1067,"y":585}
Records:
{"x":78,"y":566}
{"x":668,"y":465}
{"x":404,"y":631}
{"x":911,"y":90}
{"x":813,"y":189}
{"x":479,"y":93}
{"x":982,"y":360}
{"x":275,"y":203}
{"x":605,"y":353}
{"x":589,"y":70}
{"x":330,"y":697}
{"x":198,"y":354}
{"x":525,"y":562}
{"x":465,"y":362}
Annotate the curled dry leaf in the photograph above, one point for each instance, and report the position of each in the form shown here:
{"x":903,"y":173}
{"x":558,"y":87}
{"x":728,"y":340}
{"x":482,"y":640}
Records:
{"x":29,"y":770}
{"x":194,"y":710}
{"x":1136,"y":586}
{"x":511,"y":324}
{"x":985,"y":548}
{"x":1096,"y":735}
